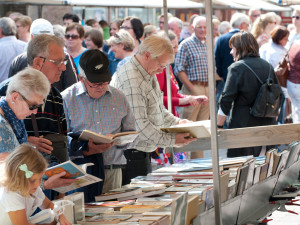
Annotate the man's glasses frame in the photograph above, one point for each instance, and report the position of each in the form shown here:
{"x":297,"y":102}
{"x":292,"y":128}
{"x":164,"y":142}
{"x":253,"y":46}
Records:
{"x":161,"y":66}
{"x":58,"y":63}
{"x":30,"y":106}
{"x":96,"y":85}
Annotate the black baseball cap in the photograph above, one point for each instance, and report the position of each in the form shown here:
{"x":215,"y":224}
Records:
{"x":94,"y":64}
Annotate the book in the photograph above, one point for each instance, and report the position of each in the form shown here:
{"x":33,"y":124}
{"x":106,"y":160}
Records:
{"x":224,"y":180}
{"x":256,"y":174}
{"x":73,"y":171}
{"x":105,"y":219}
{"x":250,"y":178}
{"x":118,"y":193}
{"x":42,"y":217}
{"x":140,"y":208}
{"x":78,"y":208}
{"x":199,"y":129}
{"x":193,"y":175}
{"x":283,"y":156}
{"x":118,"y":138}
{"x":110,"y":204}
{"x":263,"y":172}
{"x":270,"y":160}
{"x":192,"y":209}
{"x":144,"y":194}
{"x":294,"y":149}
{"x":241,"y":179}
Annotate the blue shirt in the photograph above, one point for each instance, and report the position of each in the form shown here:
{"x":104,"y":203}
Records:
{"x":10,"y":47}
{"x":77,"y":58}
{"x":192,"y":59}
{"x":108,"y":114}
{"x":8,"y":139}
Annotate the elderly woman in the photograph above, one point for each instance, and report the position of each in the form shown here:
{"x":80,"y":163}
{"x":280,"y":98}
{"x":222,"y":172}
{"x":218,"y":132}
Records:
{"x":263,"y":26}
{"x":93,"y":39}
{"x":122,"y":44}
{"x":25,"y":93}
{"x":74,"y":38}
{"x":241,"y":88}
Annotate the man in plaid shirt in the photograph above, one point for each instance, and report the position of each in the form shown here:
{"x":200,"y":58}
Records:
{"x":137,"y":80}
{"x":191,"y":69}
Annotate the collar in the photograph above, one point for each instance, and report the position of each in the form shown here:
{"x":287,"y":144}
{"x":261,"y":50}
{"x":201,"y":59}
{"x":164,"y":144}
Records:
{"x":81,"y":89}
{"x":198,"y":40}
{"x":143,"y":72}
{"x":234,"y":29}
{"x":8,"y":38}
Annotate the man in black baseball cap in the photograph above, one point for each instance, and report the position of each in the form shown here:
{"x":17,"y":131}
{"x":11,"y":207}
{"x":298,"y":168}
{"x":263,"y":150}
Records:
{"x":92,"y":104}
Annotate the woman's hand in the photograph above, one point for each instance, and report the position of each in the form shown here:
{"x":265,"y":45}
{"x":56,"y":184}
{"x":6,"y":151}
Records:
{"x":63,"y":220}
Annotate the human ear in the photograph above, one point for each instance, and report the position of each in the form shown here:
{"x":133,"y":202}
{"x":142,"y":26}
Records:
{"x":38,"y":63}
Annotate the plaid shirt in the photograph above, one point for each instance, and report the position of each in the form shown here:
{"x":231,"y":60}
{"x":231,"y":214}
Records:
{"x":108,"y":114}
{"x":146,"y":101}
{"x":192,"y":59}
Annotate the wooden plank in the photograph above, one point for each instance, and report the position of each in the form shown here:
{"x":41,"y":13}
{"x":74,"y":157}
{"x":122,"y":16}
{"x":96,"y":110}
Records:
{"x":247,"y":137}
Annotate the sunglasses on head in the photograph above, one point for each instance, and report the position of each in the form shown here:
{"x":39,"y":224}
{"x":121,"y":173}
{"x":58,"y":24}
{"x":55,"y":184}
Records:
{"x":73,"y":36}
{"x":297,"y":17}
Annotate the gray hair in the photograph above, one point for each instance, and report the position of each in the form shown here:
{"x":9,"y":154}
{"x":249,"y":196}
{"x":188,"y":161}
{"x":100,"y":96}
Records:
{"x":39,"y":46}
{"x":177,"y":20}
{"x":29,"y":82}
{"x":198,"y":19}
{"x":224,"y":25}
{"x":238,"y":18}
{"x":123,"y":37}
{"x":171,"y":35}
{"x":59,"y":31}
{"x":8,"y":26}
{"x":157,"y":46}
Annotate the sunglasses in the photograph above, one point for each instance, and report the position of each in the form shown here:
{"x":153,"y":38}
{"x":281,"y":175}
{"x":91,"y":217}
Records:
{"x":297,"y":17}
{"x":73,"y":36}
{"x":30,"y":107}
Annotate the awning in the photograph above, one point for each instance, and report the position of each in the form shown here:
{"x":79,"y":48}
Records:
{"x":263,"y":5}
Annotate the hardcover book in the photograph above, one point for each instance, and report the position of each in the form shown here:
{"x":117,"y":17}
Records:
{"x":119,"y":193}
{"x":118,"y":139}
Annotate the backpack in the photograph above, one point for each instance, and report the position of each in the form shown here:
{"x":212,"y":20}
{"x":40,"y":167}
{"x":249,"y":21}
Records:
{"x":268,"y":100}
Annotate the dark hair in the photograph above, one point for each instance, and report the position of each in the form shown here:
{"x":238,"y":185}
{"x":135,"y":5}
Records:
{"x":137,"y":26}
{"x":73,"y":17}
{"x":278,"y":33}
{"x":103,"y":23}
{"x":91,"y":22}
{"x":76,"y":26}
{"x":245,"y":44}
{"x":96,"y":36}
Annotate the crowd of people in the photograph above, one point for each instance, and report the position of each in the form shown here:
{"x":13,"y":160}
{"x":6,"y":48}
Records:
{"x":57,"y":81}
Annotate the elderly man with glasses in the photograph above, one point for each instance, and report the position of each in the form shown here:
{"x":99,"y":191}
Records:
{"x":137,"y":80}
{"x":93,"y":105}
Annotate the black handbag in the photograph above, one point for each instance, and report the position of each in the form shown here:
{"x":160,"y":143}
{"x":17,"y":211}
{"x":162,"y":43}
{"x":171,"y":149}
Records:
{"x":268,"y":100}
{"x":60,"y":151}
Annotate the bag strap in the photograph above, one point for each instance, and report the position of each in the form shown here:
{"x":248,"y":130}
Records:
{"x":34,"y":125}
{"x":245,"y":64}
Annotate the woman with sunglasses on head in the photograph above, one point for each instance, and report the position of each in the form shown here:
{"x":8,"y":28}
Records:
{"x":263,"y":26}
{"x":74,"y":38}
{"x":122,"y":44}
{"x":25,"y":93}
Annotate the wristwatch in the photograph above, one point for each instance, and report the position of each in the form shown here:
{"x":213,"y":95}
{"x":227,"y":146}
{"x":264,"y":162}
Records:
{"x":220,"y":126}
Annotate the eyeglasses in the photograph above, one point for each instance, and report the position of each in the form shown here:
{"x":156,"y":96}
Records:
{"x":30,"y":107}
{"x":161,"y":66}
{"x":73,"y":36}
{"x":58,"y":63}
{"x":297,"y":17}
{"x":273,"y":22}
{"x":96,"y":85}
{"x":125,"y":27}
{"x":255,"y":15}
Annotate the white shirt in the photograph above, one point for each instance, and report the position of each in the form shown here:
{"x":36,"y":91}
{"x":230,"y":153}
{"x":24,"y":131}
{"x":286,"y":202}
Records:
{"x":13,"y":201}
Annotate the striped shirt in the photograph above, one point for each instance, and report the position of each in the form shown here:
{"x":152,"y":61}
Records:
{"x":146,"y":101}
{"x":192,"y":59}
{"x":108,"y":114}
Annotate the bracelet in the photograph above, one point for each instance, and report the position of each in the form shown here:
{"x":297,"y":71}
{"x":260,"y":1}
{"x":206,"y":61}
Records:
{"x":42,"y":185}
{"x":220,"y":126}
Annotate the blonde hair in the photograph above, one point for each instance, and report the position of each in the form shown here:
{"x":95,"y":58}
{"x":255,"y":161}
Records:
{"x":24,"y":21}
{"x":14,"y":179}
{"x":122,"y":37}
{"x":261,"y":23}
{"x":29,"y":82}
{"x":157,"y":46}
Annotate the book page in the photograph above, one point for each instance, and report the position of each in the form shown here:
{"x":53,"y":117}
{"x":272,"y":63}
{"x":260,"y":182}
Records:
{"x":125,"y":139}
{"x":97,"y":138}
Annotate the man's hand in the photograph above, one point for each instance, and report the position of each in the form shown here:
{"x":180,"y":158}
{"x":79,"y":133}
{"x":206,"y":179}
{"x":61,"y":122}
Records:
{"x":183,"y":139}
{"x":56,"y":181}
{"x":185,"y":121}
{"x":97,"y":148}
{"x":42,"y":144}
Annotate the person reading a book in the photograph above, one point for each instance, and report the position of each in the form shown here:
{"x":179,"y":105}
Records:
{"x":25,"y":93}
{"x":20,"y":192}
{"x":92,"y":104}
{"x":138,"y":81}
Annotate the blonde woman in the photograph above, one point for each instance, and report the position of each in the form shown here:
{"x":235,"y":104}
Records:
{"x":263,"y":26}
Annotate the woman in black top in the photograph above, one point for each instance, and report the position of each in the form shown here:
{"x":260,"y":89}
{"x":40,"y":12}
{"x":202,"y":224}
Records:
{"x":241,"y":88}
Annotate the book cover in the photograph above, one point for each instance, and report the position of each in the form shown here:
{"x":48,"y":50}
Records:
{"x":144,"y":194}
{"x":294,"y":149}
{"x":193,"y":175}
{"x":118,"y":139}
{"x":242,"y":179}
{"x":256,"y":174}
{"x":250,"y":177}
{"x":73,"y":171}
{"x":42,"y":217}
{"x":112,"y":204}
{"x":78,"y":208}
{"x":263,"y":172}
{"x":224,"y":180}
{"x":140,"y":208}
{"x":118,"y":193}
{"x":199,"y":129}
{"x":282,"y":161}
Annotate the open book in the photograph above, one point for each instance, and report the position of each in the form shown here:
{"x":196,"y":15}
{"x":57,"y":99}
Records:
{"x":118,"y":139}
{"x":72,"y":171}
{"x":199,"y":129}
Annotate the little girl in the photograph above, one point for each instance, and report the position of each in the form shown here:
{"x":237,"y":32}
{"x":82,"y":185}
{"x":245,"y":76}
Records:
{"x":20,"y":192}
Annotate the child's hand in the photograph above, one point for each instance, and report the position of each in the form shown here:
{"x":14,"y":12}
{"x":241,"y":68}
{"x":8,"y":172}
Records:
{"x":63,"y":220}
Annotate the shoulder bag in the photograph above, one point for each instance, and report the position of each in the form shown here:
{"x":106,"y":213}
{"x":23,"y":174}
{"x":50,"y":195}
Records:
{"x":282,"y":70}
